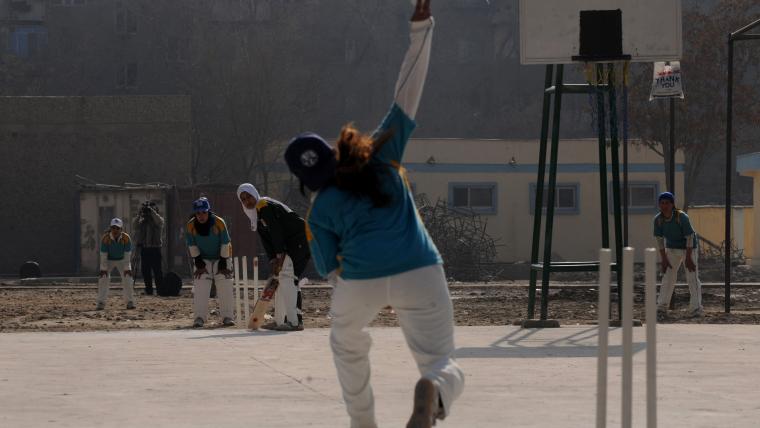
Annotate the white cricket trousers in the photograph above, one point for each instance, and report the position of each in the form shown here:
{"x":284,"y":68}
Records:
{"x":202,"y":291}
{"x":420,"y":298}
{"x":104,"y":283}
{"x":286,"y":297}
{"x":676,"y":258}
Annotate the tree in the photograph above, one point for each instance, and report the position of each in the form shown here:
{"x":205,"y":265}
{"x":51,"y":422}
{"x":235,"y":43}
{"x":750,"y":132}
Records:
{"x":249,"y":95}
{"x":701,"y":116}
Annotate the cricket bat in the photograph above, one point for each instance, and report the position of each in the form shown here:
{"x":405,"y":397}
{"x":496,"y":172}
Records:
{"x":263,"y":304}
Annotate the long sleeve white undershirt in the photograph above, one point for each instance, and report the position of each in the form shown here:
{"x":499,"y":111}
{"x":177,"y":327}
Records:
{"x":411,"y":79}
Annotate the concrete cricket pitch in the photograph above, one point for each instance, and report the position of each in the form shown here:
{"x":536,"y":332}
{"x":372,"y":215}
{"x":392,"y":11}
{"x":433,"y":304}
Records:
{"x":708,"y":376}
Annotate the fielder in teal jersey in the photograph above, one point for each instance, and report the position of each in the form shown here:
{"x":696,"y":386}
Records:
{"x":676,"y":241}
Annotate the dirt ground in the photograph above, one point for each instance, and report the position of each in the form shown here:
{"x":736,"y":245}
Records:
{"x":67,"y":308}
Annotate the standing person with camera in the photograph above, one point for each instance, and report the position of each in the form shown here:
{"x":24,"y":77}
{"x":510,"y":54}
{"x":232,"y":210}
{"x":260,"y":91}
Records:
{"x":149,"y":230}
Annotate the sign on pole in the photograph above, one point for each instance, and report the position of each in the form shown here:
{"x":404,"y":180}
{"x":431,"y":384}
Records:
{"x":666,"y":81}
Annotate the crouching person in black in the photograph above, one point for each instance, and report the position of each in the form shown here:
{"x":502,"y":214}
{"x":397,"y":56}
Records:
{"x":283,"y":234}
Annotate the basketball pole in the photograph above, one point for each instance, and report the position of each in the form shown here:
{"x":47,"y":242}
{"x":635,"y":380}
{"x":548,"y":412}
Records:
{"x":672,"y":148}
{"x":740,"y":34}
{"x":539,"y":194}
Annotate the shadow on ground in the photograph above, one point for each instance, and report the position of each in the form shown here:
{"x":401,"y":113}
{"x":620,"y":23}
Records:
{"x":528,"y":343}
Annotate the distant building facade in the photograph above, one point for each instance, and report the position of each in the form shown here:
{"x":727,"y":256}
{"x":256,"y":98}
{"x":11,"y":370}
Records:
{"x":49,"y":145}
{"x":497,"y":179}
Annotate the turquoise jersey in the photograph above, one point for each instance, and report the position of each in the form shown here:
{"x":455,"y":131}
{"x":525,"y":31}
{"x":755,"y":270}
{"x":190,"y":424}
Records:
{"x":115,"y":248}
{"x":675,"y":231}
{"x":361,"y":241}
{"x":210,"y":246}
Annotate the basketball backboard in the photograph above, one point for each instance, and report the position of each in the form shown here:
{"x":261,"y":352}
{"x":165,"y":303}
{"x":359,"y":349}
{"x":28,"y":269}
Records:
{"x":647,"y":30}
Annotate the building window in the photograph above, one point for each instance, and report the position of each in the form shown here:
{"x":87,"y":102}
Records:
{"x":178,"y":49}
{"x":642,"y":196}
{"x":29,"y":42}
{"x":464,"y":51}
{"x":126,"y":76}
{"x":350,"y":51}
{"x":68,"y":2}
{"x":125,"y":20}
{"x":263,"y":10}
{"x":566,"y":198}
{"x":476,"y":197}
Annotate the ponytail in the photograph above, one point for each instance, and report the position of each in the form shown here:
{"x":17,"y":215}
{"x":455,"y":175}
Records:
{"x":355,"y":171}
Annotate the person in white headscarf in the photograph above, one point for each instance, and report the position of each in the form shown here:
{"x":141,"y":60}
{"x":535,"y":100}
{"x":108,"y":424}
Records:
{"x":283,"y":234}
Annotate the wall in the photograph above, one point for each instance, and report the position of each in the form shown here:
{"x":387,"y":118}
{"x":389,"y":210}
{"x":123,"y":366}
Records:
{"x":45,"y":142}
{"x":512,"y":165}
{"x":97,"y":207}
{"x":710,"y":223}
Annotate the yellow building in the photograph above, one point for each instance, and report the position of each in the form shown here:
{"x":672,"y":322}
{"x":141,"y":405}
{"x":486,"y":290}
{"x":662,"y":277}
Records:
{"x":497,"y":179}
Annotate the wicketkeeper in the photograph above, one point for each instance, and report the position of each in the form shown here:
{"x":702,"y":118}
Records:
{"x":677,"y":241}
{"x":210,"y":247}
{"x":115,"y":253}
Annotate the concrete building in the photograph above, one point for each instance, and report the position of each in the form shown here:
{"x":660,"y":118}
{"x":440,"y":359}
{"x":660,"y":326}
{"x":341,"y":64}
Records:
{"x":496,"y":178}
{"x":49,"y":145}
{"x":748,"y":166}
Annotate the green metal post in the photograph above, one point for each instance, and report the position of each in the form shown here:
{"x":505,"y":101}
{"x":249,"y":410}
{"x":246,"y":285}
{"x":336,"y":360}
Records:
{"x":538,"y":204}
{"x":552,"y":190}
{"x":604,"y":206}
{"x":615,"y":149}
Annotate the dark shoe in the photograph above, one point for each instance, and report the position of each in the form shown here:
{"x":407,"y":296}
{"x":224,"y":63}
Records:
{"x":662,"y":315}
{"x":288,"y":327}
{"x":269,"y":326}
{"x":148,"y":291}
{"x":130,"y":305}
{"x":198,"y":323}
{"x":100,"y":306}
{"x":425,"y":405}
{"x":228,"y":322}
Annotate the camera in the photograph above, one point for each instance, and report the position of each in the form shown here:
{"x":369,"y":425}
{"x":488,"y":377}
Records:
{"x":146,"y":207}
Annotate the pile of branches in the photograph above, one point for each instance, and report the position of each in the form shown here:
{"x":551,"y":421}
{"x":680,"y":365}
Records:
{"x":468,"y":251}
{"x":711,"y":253}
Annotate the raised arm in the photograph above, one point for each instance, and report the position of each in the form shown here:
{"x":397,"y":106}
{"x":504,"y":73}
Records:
{"x":411,"y":79}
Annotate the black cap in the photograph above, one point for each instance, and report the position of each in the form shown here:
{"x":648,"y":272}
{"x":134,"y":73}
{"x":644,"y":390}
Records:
{"x":311,"y":159}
